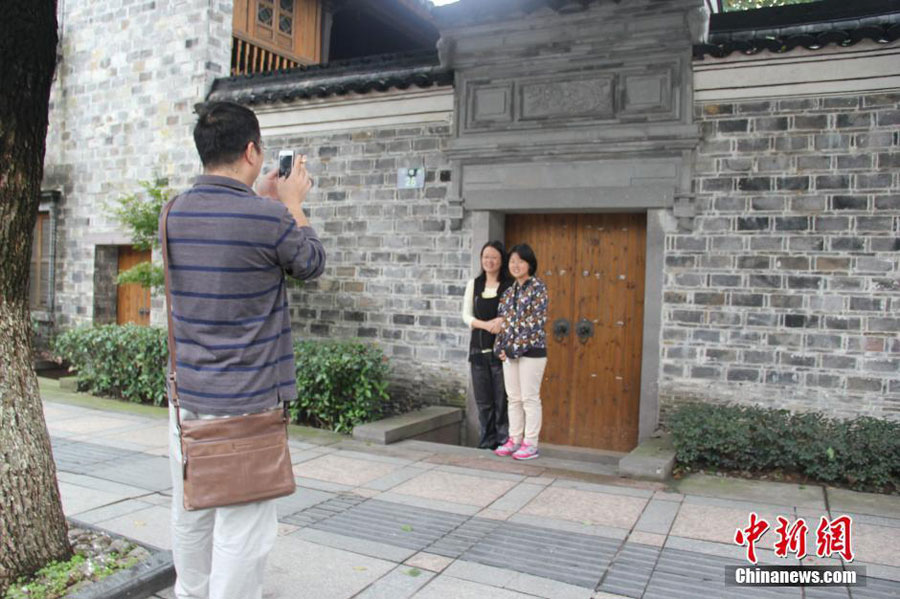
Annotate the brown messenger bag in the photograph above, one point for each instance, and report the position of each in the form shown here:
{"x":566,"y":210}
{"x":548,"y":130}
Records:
{"x":232,"y":460}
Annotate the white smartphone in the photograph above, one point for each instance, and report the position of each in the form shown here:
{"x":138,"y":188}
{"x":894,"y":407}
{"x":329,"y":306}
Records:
{"x":285,"y":162}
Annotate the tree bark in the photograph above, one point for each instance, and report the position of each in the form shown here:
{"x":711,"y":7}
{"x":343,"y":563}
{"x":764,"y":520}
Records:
{"x":33,"y":528}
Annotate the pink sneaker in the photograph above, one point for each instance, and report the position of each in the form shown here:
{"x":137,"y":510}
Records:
{"x":507,"y":449}
{"x":526,"y":451}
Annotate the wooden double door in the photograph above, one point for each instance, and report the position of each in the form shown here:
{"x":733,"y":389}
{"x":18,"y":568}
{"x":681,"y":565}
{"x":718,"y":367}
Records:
{"x":593,"y":266}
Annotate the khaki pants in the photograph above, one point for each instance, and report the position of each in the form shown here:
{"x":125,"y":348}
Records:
{"x":219,"y":553}
{"x":522,"y":378}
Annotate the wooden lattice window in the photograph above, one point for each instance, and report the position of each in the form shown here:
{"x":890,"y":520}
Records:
{"x":39,"y":288}
{"x":273,"y":34}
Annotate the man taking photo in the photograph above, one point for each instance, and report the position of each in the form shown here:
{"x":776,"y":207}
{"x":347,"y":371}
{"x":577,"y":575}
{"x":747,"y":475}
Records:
{"x":229,"y":251}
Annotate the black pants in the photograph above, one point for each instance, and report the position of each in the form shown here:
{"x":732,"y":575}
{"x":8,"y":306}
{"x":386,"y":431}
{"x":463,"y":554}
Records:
{"x":490,"y":397}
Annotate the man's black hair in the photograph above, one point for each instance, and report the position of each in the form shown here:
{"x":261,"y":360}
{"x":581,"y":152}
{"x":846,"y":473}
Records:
{"x":223,"y":131}
{"x":527,"y":254}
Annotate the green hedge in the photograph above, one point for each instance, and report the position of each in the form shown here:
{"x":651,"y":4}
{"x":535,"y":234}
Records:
{"x":863,"y":453}
{"x":340,"y":383}
{"x":123,"y":361}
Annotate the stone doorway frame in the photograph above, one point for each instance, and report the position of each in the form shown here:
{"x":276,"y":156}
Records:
{"x":491,"y":224}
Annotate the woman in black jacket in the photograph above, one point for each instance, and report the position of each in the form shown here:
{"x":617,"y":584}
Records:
{"x":480,"y":314}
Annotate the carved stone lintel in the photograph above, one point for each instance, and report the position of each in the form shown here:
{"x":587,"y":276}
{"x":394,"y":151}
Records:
{"x":567,"y":98}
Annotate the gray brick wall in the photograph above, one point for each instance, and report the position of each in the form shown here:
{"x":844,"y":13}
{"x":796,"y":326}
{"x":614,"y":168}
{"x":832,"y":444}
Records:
{"x":122,"y":111}
{"x":783,"y":289}
{"x":398,"y":260}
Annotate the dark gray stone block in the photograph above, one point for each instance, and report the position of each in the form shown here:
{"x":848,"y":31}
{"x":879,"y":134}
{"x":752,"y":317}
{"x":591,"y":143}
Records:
{"x":652,"y":459}
{"x":412,"y":424}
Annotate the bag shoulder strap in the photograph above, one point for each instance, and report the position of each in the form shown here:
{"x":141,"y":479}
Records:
{"x":173,"y":378}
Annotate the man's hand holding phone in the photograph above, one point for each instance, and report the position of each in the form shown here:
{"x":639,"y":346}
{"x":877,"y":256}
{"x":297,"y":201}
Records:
{"x":285,"y":162}
{"x":291,"y":189}
{"x":294,"y":187}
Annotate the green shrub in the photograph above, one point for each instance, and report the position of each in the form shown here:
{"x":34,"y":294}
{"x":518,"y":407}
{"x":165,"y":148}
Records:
{"x":123,"y":361}
{"x":863,"y":453}
{"x":340,"y":384}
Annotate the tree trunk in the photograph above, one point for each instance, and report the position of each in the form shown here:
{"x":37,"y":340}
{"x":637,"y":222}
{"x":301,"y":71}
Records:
{"x":32,"y":525}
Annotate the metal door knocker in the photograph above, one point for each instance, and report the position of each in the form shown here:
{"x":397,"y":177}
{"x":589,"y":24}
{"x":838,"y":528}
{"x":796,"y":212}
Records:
{"x":561,"y":328}
{"x":584,"y":329}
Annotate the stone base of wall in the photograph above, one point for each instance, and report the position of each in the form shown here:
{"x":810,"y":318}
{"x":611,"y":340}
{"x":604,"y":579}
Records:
{"x":419,"y":384}
{"x":835,"y":405}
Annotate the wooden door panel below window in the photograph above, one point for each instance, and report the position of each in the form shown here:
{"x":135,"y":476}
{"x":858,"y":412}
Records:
{"x":132,"y":301}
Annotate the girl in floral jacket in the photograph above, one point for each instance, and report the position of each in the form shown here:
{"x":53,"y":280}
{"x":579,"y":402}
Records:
{"x":522,"y":346}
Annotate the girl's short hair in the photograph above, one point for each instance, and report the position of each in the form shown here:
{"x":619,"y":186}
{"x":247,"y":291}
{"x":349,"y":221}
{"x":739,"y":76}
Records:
{"x":527,"y":254}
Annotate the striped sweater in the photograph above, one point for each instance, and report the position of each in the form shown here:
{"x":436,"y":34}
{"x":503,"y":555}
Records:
{"x":229,"y":253}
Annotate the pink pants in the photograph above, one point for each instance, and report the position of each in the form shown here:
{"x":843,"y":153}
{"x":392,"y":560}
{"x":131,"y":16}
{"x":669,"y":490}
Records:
{"x":522,"y":378}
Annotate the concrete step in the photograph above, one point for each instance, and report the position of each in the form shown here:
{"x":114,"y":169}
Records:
{"x":433,"y":423}
{"x":583,"y":454}
{"x":653,"y":459}
{"x":565,"y":464}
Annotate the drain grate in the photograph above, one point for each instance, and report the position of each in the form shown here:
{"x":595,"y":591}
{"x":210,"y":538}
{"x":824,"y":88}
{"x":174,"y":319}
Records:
{"x":79,"y":457}
{"x":573,"y":558}
{"x":321,"y":511}
{"x":631,"y":570}
{"x":687,"y":574}
{"x":335,"y":505}
{"x":463,"y":538}
{"x":669,"y":585}
{"x":393,"y":523}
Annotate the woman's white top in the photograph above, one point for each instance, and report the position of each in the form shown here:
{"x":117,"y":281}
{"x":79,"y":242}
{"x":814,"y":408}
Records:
{"x":468,"y":313}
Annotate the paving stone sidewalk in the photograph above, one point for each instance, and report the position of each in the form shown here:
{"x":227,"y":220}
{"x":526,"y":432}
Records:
{"x":419,"y":520}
